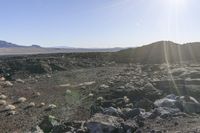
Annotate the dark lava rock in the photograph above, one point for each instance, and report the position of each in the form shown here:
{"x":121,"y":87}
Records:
{"x":112,"y":111}
{"x":101,"y":123}
{"x":132,"y":113}
{"x":129,"y":126}
{"x":151,"y":92}
{"x":145,"y":104}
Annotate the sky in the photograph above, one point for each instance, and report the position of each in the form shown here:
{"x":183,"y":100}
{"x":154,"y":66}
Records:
{"x":98,"y":23}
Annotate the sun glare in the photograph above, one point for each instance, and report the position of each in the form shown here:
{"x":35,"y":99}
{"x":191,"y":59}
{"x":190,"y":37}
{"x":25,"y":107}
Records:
{"x":177,"y":3}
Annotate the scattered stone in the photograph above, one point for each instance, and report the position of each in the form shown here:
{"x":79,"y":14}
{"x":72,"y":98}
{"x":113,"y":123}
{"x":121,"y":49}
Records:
{"x":126,"y":99}
{"x":52,"y":106}
{"x":48,"y":76}
{"x":68,"y":91}
{"x":31,"y":104}
{"x":10,"y":107}
{"x":100,"y":99}
{"x":37,"y":129}
{"x":2,"y":102}
{"x":37,"y":94}
{"x":81,"y":131}
{"x":91,"y":95}
{"x":3,"y":96}
{"x":12,"y":112}
{"x":8,"y":84}
{"x":87,"y":83}
{"x":2,"y":78}
{"x":130,"y":105}
{"x":65,"y":85}
{"x":103,"y":86}
{"x":42,"y":104}
{"x":21,"y":99}
{"x":20,"y":81}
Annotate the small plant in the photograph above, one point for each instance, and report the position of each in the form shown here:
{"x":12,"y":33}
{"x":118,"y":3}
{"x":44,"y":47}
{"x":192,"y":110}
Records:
{"x":37,"y":94}
{"x":72,"y":97}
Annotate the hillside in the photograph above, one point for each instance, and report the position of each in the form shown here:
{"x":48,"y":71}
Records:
{"x":161,"y":52}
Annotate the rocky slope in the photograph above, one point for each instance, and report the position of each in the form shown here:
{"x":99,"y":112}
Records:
{"x":161,"y":52}
{"x":92,"y":92}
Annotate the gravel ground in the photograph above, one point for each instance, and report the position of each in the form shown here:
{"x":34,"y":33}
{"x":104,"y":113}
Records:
{"x":52,"y":90}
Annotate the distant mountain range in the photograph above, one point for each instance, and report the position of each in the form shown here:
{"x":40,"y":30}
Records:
{"x":161,"y":52}
{"x":7,"y":48}
{"x":155,"y":53}
{"x":4,"y":44}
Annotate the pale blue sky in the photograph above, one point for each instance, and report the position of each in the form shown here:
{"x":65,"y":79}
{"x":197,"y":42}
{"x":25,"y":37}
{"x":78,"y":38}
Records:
{"x":98,"y":23}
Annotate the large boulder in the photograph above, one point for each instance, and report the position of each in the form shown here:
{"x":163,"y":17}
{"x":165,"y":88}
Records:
{"x":150,"y":92}
{"x":144,"y":104}
{"x":101,"y":123}
{"x":164,"y":112}
{"x":168,"y":101}
{"x":186,"y":104}
{"x":112,"y":111}
{"x":189,"y":104}
{"x":131,"y":113}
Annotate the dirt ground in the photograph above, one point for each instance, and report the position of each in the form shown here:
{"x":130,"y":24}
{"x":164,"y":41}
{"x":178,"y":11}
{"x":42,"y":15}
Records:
{"x":52,"y":87}
{"x":52,"y":91}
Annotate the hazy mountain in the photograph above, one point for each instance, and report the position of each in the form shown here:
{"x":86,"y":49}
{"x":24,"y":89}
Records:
{"x":161,"y":52}
{"x":7,"y":48}
{"x":4,"y":44}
